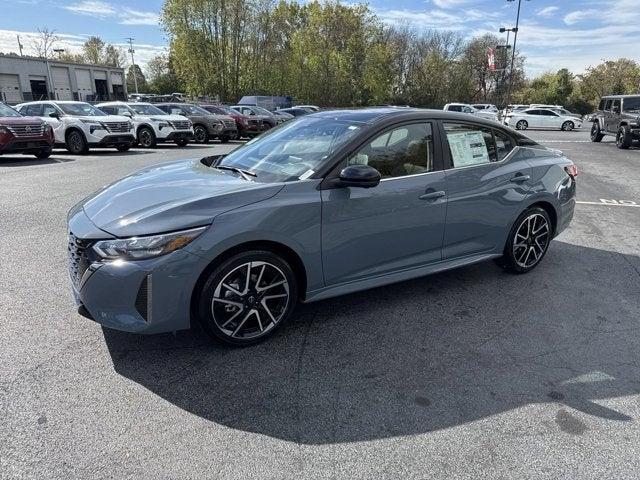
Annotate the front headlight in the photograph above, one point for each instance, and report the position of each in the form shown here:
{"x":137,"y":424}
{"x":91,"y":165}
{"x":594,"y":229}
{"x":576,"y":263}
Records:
{"x":47,"y":129}
{"x":141,"y":248}
{"x":93,"y":123}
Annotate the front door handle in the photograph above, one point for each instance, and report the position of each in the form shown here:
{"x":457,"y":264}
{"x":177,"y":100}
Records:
{"x":521,"y":178}
{"x":432,"y":195}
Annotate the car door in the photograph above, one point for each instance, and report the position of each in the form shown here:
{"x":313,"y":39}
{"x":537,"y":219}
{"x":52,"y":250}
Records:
{"x":485,"y":188}
{"x":56,"y":122}
{"x":606,"y":115}
{"x":550,"y":119}
{"x":396,"y":225}
{"x":533,"y":118}
{"x":613,"y":116}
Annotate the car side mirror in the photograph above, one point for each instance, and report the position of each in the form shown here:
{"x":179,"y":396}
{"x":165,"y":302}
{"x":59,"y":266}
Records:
{"x":54,"y":115}
{"x":127,"y":114}
{"x":362,"y":176}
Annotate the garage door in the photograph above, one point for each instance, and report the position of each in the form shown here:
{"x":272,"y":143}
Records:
{"x":116,"y":78}
{"x":10,"y":88}
{"x":83,"y":78}
{"x":99,"y":74}
{"x":61,"y":83}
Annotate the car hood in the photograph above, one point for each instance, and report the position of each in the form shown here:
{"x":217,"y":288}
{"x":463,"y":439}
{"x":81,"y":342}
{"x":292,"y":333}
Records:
{"x":102,"y":119}
{"x":20,"y":121}
{"x":167,"y":118}
{"x":169,"y":197}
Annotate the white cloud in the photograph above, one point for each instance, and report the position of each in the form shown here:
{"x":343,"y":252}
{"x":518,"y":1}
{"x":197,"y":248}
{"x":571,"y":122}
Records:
{"x":450,"y":3}
{"x":579,"y":15}
{"x":547,"y":11}
{"x":104,"y":10}
{"x":435,"y":19}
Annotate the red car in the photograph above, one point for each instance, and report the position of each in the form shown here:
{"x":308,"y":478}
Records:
{"x":247,"y":127}
{"x":25,"y":135}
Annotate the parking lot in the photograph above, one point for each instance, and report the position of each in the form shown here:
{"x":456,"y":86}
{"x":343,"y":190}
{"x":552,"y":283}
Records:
{"x":473,"y":373}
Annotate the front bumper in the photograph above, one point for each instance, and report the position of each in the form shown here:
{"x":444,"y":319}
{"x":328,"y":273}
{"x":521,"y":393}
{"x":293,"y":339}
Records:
{"x":112,"y":140}
{"x":177,"y":135}
{"x":148,"y":296}
{"x":25,"y":145}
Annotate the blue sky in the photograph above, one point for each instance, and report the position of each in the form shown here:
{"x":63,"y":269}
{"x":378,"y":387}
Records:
{"x":553,"y":34}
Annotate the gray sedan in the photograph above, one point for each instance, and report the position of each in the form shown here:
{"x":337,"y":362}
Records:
{"x":324,"y":205}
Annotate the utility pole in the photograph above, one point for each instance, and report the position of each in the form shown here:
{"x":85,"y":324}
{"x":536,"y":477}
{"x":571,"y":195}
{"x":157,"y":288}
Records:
{"x":19,"y":45}
{"x":133,"y":63}
{"x":513,"y":53}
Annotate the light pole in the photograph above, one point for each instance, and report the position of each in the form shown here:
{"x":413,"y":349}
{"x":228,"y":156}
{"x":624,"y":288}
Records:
{"x":513,"y":53}
{"x":133,"y":64}
{"x":59,"y":51}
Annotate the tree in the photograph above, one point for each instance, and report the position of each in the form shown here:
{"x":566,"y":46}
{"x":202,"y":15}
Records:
{"x":44,"y":42}
{"x":135,"y":71}
{"x":93,"y":50}
{"x":113,"y":56}
{"x":161,"y":77}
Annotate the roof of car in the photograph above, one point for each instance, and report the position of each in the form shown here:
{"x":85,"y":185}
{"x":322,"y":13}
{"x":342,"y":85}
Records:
{"x":621,"y":96}
{"x":373,"y":115}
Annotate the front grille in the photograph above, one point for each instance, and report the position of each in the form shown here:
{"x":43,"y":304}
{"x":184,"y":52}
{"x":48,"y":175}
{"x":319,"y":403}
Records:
{"x":35,"y":130}
{"x":77,"y":257}
{"x":251,"y":121}
{"x":24,"y":145}
{"x":117,"y":127}
{"x":229,"y":123}
{"x":184,"y":125}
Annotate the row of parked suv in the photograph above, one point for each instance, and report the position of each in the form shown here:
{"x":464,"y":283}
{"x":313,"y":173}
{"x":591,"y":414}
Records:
{"x":36,"y":127}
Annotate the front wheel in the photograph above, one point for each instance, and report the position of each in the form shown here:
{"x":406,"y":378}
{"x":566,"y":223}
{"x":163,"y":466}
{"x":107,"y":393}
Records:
{"x":596,"y":133}
{"x":247,"y":298}
{"x":146,"y":137}
{"x":567,"y":126}
{"x":42,"y":154}
{"x":522,"y":125}
{"x":200,"y":134}
{"x":76,"y":144}
{"x":623,"y":138}
{"x":528,"y":241}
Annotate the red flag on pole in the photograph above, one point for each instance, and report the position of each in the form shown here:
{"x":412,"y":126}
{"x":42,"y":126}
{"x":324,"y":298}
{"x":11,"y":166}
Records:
{"x":491,"y":59}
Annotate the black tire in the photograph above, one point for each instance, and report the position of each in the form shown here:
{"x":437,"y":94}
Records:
{"x":201,"y":134}
{"x":42,"y":154}
{"x":182,"y":143}
{"x":517,"y":259}
{"x":146,"y":137}
{"x":227,"y":285}
{"x":568,"y":126}
{"x":522,"y":125}
{"x":224,"y":139}
{"x":123,"y":148}
{"x":596,"y":133}
{"x":76,"y":143}
{"x":623,"y":138}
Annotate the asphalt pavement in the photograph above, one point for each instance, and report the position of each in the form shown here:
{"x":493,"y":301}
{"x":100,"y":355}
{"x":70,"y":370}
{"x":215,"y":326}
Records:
{"x":472,"y":373}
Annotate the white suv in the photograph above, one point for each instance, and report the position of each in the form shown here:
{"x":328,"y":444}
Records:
{"x":466,"y":108}
{"x":152,"y":125}
{"x":79,"y":125}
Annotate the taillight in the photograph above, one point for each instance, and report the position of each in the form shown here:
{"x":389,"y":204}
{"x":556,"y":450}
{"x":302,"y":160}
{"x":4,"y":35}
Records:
{"x":572,"y":170}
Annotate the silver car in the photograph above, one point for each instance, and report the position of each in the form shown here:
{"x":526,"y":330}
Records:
{"x":324,"y":205}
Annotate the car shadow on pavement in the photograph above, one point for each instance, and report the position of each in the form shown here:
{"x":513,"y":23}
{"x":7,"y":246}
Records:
{"x":418,"y":356}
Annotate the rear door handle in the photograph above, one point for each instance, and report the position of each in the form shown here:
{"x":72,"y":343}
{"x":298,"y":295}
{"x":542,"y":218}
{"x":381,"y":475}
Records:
{"x":432,"y":195}
{"x":521,"y":178}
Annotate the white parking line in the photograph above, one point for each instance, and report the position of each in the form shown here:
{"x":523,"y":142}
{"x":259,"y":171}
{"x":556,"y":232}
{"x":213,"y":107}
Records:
{"x":564,"y":141}
{"x":612,"y":203}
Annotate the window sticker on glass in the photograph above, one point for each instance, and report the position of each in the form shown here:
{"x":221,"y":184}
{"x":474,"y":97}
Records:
{"x":306,"y":174}
{"x":468,"y":148}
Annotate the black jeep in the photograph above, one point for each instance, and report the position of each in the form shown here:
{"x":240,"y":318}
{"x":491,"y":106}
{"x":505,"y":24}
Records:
{"x":617,"y":115}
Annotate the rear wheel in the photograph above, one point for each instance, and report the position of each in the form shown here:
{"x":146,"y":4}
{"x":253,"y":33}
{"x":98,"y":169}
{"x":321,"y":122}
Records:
{"x":75,"y":143}
{"x":568,"y":126}
{"x":596,"y":133}
{"x":623,"y":138}
{"x":44,"y":153}
{"x":528,"y":241}
{"x":247,"y":297}
{"x":146,"y":137}
{"x":200,"y":134}
{"x":522,"y":125}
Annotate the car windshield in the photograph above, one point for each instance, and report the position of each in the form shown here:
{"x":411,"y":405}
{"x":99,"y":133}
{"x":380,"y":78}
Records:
{"x":227,"y":110}
{"x":632,"y":103}
{"x":215,"y":109}
{"x":195,"y":110}
{"x":146,"y":109}
{"x":81,"y":109}
{"x":7,"y":111}
{"x":261,"y":111}
{"x":292,"y":151}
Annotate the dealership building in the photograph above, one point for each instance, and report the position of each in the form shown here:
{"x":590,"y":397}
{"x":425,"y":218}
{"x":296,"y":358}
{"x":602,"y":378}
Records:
{"x":29,"y":78}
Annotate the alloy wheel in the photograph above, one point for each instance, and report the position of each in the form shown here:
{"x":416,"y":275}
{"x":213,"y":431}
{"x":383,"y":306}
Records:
{"x":200,"y":134}
{"x":145,"y":137}
{"x":531,"y":240}
{"x":75,"y":142}
{"x":567,"y":126}
{"x":521,"y":125}
{"x":250,"y":300}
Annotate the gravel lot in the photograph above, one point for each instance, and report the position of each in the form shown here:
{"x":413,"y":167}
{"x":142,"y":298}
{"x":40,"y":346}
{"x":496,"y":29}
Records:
{"x":472,"y":373}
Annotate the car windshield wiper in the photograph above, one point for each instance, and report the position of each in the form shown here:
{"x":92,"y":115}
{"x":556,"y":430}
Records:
{"x":246,"y":174}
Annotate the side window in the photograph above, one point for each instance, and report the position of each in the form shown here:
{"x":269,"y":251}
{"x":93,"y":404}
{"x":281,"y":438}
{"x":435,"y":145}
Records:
{"x":48,"y":109}
{"x":470,"y":145}
{"x":32,"y":110}
{"x":405,"y":150}
{"x":607,"y":105}
{"x":601,"y":106}
{"x":455,"y":108}
{"x":616,"y":103}
{"x":164,"y":108}
{"x":175,"y":111}
{"x":504,"y":144}
{"x":109,"y":110}
{"x":532,"y":112}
